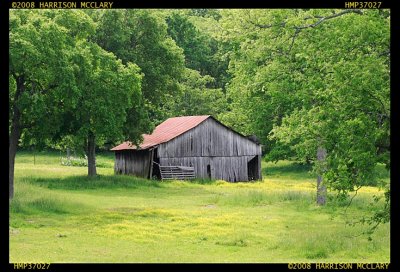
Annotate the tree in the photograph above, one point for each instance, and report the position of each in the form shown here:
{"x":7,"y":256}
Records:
{"x":209,"y":13}
{"x":41,"y":77}
{"x":196,"y":46}
{"x":314,"y":80}
{"x":108,"y":89}
{"x":348,"y":113}
{"x":200,"y":28}
{"x":140,"y":37}
{"x":63,"y":84}
{"x":196,"y":97}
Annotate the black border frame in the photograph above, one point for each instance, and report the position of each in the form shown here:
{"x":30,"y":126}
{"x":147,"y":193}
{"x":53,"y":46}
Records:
{"x":395,"y":46}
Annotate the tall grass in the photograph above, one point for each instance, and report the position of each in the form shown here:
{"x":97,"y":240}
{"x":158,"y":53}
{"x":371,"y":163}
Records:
{"x":98,"y":182}
{"x":31,"y":200}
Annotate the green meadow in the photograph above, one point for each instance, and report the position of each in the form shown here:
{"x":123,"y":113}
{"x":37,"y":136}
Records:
{"x":60,"y":215}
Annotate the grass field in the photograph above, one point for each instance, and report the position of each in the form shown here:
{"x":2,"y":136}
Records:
{"x":59,"y":215}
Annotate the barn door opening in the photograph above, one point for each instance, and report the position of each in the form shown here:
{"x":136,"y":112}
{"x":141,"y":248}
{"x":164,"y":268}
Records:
{"x":252,"y":170}
{"x":208,"y":171}
{"x":155,"y":171}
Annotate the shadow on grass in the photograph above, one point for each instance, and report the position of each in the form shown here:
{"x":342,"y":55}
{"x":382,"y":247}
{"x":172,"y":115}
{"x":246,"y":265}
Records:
{"x":98,"y":182}
{"x":43,"y":204}
{"x":290,"y":169}
{"x":202,"y":181}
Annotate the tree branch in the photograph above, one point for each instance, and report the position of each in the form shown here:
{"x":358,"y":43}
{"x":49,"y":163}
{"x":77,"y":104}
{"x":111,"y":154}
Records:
{"x":322,"y":19}
{"x":299,"y":28}
{"x":351,"y":200}
{"x":283,"y":24}
{"x":293,"y":38}
{"x":41,"y":89}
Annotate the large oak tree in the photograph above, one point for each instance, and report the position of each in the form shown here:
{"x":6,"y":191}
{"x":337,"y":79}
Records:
{"x":41,"y":77}
{"x":62,"y":83}
{"x":314,"y":80}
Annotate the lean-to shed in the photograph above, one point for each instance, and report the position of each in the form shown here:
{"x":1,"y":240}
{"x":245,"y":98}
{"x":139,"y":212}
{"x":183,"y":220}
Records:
{"x":214,"y":151}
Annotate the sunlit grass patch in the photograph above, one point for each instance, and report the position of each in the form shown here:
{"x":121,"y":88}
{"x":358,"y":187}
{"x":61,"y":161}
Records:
{"x":255,"y":197}
{"x":141,"y":225}
{"x":239,"y":242}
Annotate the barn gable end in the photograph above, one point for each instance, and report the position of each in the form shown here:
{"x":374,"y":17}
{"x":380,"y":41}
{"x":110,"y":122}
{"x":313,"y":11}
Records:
{"x":209,"y":139}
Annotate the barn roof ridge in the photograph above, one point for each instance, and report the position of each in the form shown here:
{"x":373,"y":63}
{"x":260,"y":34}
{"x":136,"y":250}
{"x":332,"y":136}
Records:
{"x":168,"y":130}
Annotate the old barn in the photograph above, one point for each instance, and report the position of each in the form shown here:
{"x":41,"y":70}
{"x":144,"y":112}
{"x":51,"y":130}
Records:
{"x":191,"y":146}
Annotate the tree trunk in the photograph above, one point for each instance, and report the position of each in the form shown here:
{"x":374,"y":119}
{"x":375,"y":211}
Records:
{"x":91,"y":154}
{"x":321,"y":188}
{"x":14,"y":136}
{"x":12,"y":151}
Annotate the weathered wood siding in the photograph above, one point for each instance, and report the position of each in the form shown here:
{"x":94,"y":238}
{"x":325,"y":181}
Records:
{"x":211,"y":144}
{"x":132,"y":162}
{"x":226,"y":168}
{"x":208,"y":139}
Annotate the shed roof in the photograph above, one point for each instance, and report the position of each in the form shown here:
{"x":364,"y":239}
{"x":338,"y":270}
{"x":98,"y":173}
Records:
{"x":165,"y":131}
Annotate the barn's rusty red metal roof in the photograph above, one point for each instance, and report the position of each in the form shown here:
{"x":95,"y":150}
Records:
{"x":165,"y":132}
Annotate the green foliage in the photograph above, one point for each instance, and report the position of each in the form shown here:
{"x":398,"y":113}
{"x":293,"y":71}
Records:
{"x":108,"y":89}
{"x":194,"y":44}
{"x":208,"y":13}
{"x":195,"y":97}
{"x":141,"y":37}
{"x":196,"y":32}
{"x":380,"y":215}
{"x":64,"y":87}
{"x":306,"y":79}
{"x":41,"y":84}
{"x":301,"y":82}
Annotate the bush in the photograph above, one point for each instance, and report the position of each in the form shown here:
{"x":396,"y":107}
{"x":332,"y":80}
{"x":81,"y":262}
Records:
{"x":72,"y":161}
{"x":81,"y":162}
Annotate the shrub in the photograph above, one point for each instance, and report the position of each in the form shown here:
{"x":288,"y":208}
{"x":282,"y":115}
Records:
{"x":80,"y":162}
{"x":73,"y":161}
